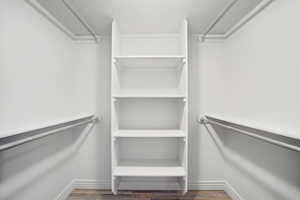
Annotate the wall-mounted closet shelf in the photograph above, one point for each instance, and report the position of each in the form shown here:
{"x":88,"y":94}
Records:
{"x":149,"y":106}
{"x":149,"y":134}
{"x":81,"y":19}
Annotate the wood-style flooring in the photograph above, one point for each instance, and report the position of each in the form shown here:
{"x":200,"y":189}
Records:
{"x":147,"y":195}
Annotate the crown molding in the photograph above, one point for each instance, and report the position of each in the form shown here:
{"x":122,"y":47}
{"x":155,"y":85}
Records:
{"x":45,"y":13}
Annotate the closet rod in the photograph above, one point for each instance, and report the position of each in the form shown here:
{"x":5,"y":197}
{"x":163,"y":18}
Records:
{"x":218,"y":18}
{"x":63,"y":126}
{"x":81,"y":20}
{"x":224,"y":124}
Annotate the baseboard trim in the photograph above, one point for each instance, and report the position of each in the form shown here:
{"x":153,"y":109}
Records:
{"x":207,"y":185}
{"x":63,"y":195}
{"x":229,"y":189}
{"x":91,"y":184}
{"x":155,"y":185}
{"x":150,"y":185}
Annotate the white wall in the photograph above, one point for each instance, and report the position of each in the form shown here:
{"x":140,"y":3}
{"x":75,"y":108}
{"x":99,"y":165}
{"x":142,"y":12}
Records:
{"x":256,"y":81}
{"x":37,"y":67}
{"x":42,"y":79}
{"x":93,"y":160}
{"x":205,"y":160}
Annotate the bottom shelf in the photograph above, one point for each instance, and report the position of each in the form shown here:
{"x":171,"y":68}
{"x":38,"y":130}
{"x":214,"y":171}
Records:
{"x":163,"y":169}
{"x":169,"y":171}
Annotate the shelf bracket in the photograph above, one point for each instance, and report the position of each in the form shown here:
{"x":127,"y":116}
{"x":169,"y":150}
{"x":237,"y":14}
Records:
{"x":203,"y":120}
{"x":115,"y":99}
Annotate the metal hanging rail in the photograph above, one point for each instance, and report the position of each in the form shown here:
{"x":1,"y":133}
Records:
{"x":62,"y":127}
{"x":205,"y":121}
{"x":81,"y":20}
{"x":218,"y":18}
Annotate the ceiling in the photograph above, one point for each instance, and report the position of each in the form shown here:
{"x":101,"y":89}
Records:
{"x":148,"y":16}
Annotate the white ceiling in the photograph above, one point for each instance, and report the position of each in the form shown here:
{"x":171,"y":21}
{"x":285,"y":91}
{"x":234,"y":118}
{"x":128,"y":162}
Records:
{"x":148,"y":16}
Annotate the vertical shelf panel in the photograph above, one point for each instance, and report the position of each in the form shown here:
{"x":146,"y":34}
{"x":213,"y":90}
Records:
{"x":114,"y":118}
{"x":184,"y":84}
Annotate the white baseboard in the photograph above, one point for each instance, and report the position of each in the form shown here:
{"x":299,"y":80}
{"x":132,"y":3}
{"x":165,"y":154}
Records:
{"x":91,"y":184}
{"x":229,"y":189}
{"x":149,"y":185}
{"x":63,"y":195}
{"x":207,"y":185}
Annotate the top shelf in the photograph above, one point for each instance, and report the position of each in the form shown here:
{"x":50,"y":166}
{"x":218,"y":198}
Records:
{"x":168,"y":61}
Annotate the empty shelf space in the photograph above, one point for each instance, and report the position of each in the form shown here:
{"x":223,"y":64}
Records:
{"x":149,"y":133}
{"x":171,"y":61}
{"x":150,"y":113}
{"x":149,"y":94}
{"x":149,"y":171}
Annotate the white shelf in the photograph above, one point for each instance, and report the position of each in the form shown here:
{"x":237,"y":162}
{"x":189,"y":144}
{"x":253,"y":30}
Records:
{"x":149,"y":134}
{"x":149,"y":171}
{"x":168,"y":61}
{"x":149,"y":94}
{"x":149,"y":163}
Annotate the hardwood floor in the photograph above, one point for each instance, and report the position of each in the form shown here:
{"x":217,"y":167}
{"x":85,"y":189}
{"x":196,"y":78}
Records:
{"x":147,"y":195}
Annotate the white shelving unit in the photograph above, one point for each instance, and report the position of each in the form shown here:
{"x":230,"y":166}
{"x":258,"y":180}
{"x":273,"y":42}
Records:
{"x":149,"y":106}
